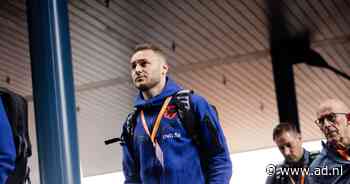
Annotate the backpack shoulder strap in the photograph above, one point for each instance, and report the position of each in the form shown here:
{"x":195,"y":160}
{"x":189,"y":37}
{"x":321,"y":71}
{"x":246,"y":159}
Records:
{"x":192,"y":123}
{"x":187,"y":114}
{"x":129,"y":127}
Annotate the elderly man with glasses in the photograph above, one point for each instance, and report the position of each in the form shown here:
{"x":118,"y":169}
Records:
{"x":332,"y":166}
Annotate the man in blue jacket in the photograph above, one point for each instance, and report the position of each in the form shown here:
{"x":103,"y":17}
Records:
{"x":332,"y":166}
{"x":161,"y":150}
{"x":7,"y":147}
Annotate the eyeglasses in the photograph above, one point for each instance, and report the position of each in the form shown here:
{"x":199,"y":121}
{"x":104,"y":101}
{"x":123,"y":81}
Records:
{"x":331,"y":117}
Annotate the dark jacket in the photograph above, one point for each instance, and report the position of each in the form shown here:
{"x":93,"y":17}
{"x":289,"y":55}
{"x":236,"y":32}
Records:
{"x":329,"y":168}
{"x":7,"y":146}
{"x":182,"y":163}
{"x":281,"y":177}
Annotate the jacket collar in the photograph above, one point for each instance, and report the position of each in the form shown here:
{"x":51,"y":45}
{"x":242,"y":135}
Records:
{"x":169,"y":89}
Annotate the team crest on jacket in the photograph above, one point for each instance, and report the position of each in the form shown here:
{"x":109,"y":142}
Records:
{"x":170,"y":112}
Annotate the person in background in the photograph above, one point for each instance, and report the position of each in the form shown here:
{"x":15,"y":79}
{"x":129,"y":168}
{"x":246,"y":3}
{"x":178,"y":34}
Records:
{"x":332,"y":166}
{"x":289,"y":142}
{"x":7,"y":146}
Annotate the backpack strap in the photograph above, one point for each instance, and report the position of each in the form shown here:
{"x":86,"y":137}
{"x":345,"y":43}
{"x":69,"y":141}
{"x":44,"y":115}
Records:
{"x":129,"y":128}
{"x":192,"y":124}
{"x":187,"y":114}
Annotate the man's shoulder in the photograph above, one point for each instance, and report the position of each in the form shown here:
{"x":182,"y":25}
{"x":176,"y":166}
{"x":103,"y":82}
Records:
{"x":195,"y":97}
{"x":320,"y":160}
{"x":130,"y":121}
{"x":198,"y":101}
{"x":311,"y":156}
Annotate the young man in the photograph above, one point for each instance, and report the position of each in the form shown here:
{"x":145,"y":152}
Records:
{"x":161,"y":150}
{"x":7,"y":146}
{"x":289,"y":142}
{"x":332,"y":166}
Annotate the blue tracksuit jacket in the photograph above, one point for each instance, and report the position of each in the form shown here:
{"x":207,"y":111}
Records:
{"x":329,"y":168}
{"x":182,"y":164}
{"x":7,"y":147}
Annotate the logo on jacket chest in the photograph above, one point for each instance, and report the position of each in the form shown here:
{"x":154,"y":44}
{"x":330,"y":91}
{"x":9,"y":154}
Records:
{"x":170,"y":112}
{"x":171,"y":135}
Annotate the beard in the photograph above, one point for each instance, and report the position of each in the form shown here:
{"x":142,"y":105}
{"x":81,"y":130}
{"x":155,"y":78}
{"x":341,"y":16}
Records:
{"x":145,"y":86}
{"x":293,"y":159}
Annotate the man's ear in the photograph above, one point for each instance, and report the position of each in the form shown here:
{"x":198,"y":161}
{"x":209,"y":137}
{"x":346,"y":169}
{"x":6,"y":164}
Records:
{"x":165,"y":69}
{"x":299,"y":136}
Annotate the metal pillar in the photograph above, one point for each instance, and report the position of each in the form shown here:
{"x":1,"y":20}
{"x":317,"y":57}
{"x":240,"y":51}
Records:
{"x":285,"y":90}
{"x":286,"y":49}
{"x":53,"y":89}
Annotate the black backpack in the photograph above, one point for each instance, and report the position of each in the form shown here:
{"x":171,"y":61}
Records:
{"x":187,"y":116}
{"x":16,"y":108}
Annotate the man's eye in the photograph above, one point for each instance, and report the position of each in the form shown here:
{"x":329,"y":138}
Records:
{"x":143,"y":64}
{"x":133,"y":66}
{"x":332,"y":117}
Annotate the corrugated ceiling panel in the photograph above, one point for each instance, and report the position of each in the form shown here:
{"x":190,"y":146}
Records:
{"x":236,"y":98}
{"x":217,"y":48}
{"x":15,"y":71}
{"x":100,"y":117}
{"x":166,"y":19}
{"x":155,"y":32}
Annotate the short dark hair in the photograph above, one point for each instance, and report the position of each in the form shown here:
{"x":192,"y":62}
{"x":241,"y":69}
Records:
{"x":283,"y":127}
{"x":148,"y":46}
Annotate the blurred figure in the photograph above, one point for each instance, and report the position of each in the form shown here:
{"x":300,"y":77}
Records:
{"x":7,"y":146}
{"x":332,"y":166}
{"x":289,"y":142}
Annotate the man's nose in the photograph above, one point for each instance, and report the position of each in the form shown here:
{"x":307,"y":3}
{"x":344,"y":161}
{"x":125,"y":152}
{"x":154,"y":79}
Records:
{"x":327,"y":123}
{"x":138,"y":69}
{"x":286,"y":152}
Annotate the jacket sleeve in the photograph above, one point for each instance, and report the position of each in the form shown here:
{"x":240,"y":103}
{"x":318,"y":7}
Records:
{"x":7,"y":146}
{"x":218,"y":166}
{"x":130,"y":168}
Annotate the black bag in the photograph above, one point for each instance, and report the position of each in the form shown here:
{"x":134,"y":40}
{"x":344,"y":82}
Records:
{"x":16,"y":108}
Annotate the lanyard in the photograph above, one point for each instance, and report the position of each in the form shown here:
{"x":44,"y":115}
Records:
{"x":157,"y":122}
{"x":301,"y":179}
